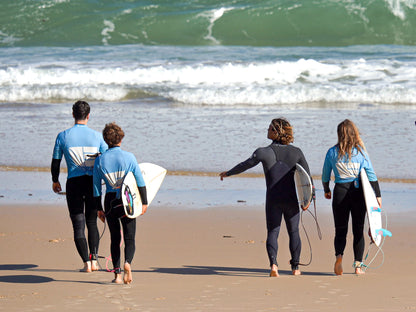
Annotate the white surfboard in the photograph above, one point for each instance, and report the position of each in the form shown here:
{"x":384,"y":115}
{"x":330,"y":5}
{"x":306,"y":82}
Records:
{"x":303,"y":187}
{"x":373,"y":210}
{"x":153,"y":176}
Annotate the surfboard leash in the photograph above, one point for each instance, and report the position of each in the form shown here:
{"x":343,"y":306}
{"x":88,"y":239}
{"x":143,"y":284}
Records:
{"x":108,"y":259}
{"x":315,"y":217}
{"x":379,"y":250}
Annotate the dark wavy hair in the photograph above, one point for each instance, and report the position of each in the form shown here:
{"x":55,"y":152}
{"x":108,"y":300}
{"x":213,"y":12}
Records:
{"x":80,"y":110}
{"x":112,"y":134}
{"x":283,"y":129}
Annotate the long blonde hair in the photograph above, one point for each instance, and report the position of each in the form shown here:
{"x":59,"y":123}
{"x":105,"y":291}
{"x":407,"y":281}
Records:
{"x":348,"y":138}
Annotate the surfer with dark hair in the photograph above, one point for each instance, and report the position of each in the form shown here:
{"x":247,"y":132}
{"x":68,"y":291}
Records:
{"x":80,"y":145}
{"x":112,"y":166}
{"x":346,"y":159}
{"x":279,"y":161}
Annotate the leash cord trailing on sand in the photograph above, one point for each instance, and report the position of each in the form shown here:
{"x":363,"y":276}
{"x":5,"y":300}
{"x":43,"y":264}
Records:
{"x":315,"y":217}
{"x":379,"y":250}
{"x":108,"y":259}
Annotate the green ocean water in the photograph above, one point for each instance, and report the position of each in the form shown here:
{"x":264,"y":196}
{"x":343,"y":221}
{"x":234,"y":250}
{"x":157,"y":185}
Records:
{"x":207,"y":22}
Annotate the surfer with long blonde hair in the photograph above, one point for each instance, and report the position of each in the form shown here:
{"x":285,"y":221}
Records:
{"x":345,"y":160}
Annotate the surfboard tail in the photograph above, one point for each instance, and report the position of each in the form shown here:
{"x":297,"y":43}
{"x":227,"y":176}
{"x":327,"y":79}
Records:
{"x":383,"y":232}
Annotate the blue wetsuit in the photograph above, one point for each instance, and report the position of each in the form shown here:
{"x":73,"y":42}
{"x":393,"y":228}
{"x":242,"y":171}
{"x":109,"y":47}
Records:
{"x":112,"y":166}
{"x":80,"y":146}
{"x":348,"y":196}
{"x":279,"y":164}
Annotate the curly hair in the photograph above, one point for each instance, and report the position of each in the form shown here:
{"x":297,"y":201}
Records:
{"x":283,"y":129}
{"x":113,"y":134}
{"x":348,"y":138}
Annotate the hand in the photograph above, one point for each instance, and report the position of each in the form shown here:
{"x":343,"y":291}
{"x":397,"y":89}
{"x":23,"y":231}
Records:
{"x":328,"y":195}
{"x":56,"y":186}
{"x":101,"y":215}
{"x":379,"y":201}
{"x":223,"y":175}
{"x":144,"y":209}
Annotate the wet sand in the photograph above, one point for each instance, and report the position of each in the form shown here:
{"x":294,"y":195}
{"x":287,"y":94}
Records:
{"x":210,"y":259}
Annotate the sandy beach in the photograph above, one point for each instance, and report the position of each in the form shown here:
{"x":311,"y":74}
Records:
{"x":210,"y":259}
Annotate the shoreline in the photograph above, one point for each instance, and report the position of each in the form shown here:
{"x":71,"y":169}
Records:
{"x":7,"y":168}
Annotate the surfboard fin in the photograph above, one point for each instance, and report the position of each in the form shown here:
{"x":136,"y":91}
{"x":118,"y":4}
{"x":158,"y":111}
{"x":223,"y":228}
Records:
{"x":384,"y":232}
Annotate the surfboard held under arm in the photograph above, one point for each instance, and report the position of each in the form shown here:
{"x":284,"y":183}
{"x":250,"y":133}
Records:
{"x":303,"y":185}
{"x":153,"y":176}
{"x":373,"y":211}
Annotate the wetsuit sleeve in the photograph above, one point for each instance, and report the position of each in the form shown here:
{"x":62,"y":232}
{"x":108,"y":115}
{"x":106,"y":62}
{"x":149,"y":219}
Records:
{"x":55,"y":166}
{"x":326,"y":187}
{"x":326,"y":169}
{"x":96,"y":178}
{"x":103,"y":145}
{"x":138,"y":176}
{"x":376,"y":188}
{"x":97,"y":203}
{"x":143,"y":194}
{"x":140,"y":182}
{"x":326,"y":173}
{"x":371,"y":175}
{"x":245,"y":165}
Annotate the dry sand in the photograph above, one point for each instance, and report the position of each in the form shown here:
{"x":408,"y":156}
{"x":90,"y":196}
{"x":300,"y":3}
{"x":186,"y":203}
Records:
{"x":211,"y":259}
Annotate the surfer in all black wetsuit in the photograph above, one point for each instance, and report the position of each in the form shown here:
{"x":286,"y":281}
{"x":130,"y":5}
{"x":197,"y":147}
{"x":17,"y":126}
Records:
{"x":279,"y":161}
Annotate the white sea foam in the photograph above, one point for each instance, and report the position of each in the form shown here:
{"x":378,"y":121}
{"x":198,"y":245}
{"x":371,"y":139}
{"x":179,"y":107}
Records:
{"x":212,"y":16}
{"x":226,"y":83}
{"x":397,"y":7}
{"x":107,"y":30}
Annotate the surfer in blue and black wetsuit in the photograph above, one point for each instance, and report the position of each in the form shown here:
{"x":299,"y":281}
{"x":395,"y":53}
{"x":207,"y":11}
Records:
{"x":80,"y":146}
{"x":112,"y":166}
{"x":279,"y":161}
{"x":346,"y":159}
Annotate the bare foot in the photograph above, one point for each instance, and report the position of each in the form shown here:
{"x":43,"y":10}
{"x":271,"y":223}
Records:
{"x":87,"y":267}
{"x":338,"y":266}
{"x":117,"y":278}
{"x":94,"y":265}
{"x":128,"y":276}
{"x":358,"y":268}
{"x":296,"y":272}
{"x":273,"y":271}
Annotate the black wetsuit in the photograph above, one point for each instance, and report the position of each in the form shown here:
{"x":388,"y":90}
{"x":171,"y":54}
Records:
{"x":279,"y":164}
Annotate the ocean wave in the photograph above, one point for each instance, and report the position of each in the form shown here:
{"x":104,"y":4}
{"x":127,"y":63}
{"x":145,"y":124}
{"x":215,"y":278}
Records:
{"x":209,"y":22}
{"x":215,"y":82}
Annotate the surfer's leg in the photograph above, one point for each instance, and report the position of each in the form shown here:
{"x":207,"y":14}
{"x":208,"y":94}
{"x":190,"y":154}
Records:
{"x":75,"y":204}
{"x":341,"y":213}
{"x":358,"y":211}
{"x":129,"y":231}
{"x":91,"y":222}
{"x":115,"y":228}
{"x":292,"y":217}
{"x":273,"y":221}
